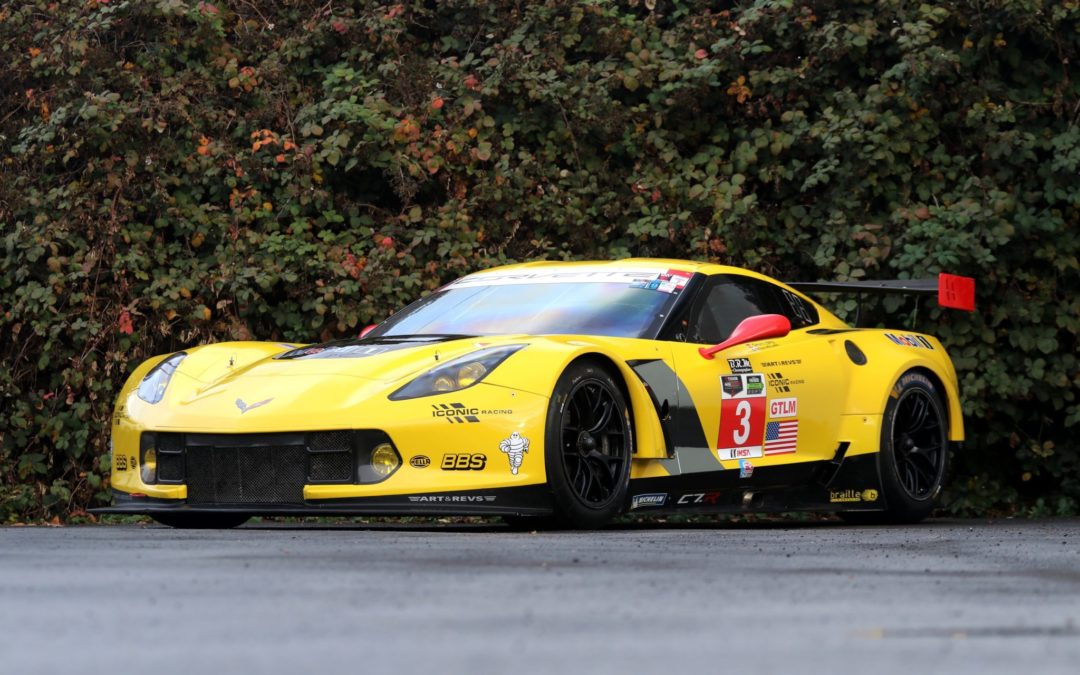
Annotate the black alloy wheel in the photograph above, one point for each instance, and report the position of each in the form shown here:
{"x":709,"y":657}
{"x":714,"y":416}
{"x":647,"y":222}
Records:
{"x":914,"y":455}
{"x":919,"y":443}
{"x":588,"y":446}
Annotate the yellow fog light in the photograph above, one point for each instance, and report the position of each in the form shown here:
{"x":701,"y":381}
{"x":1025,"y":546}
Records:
{"x":384,"y":461}
{"x":148,"y":470}
{"x":470,"y":373}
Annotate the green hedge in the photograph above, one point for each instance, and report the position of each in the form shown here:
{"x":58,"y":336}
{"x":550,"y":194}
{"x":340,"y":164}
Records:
{"x":177,"y":172}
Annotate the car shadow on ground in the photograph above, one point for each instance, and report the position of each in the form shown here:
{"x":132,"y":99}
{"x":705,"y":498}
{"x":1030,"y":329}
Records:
{"x":496,"y":525}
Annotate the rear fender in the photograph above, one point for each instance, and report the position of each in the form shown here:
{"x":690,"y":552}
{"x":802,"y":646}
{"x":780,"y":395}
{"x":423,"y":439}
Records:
{"x":890,"y":354}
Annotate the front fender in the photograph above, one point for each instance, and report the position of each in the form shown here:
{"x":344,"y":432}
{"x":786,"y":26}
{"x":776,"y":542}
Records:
{"x":538,"y":367}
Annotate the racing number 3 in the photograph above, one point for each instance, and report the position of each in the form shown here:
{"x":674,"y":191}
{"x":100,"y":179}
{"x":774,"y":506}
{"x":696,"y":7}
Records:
{"x":742,"y":422}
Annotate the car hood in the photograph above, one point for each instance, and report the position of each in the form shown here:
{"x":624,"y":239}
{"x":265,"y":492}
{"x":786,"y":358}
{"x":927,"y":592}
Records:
{"x":240,"y":384}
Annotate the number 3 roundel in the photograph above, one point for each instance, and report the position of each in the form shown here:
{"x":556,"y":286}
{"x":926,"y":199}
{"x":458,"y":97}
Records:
{"x":742,"y":416}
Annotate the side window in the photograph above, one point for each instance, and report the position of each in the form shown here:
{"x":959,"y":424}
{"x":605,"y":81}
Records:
{"x":724,"y":302}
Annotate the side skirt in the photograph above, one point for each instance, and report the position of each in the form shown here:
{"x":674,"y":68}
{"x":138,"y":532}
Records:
{"x":812,"y":486}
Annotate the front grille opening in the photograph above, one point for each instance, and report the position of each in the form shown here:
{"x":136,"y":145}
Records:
{"x":255,"y":475}
{"x":260,"y":468}
{"x":331,"y":467}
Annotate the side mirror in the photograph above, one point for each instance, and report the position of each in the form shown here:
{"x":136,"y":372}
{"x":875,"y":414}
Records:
{"x":752,"y":328}
{"x":367,"y":329}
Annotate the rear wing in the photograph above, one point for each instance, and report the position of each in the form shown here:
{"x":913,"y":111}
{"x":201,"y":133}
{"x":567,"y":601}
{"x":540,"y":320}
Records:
{"x":954,"y":292}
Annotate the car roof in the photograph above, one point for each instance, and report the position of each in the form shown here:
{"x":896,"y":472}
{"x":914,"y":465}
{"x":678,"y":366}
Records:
{"x":644,"y":264}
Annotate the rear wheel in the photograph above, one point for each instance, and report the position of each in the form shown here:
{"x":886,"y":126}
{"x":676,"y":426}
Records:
{"x":914,"y":452}
{"x":588,"y":446}
{"x":201,"y":521}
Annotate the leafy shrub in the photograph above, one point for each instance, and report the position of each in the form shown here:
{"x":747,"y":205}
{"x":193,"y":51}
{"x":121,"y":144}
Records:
{"x":177,"y":172}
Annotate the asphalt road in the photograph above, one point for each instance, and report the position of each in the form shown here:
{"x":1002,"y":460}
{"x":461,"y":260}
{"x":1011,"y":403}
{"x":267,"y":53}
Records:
{"x":955,"y":597}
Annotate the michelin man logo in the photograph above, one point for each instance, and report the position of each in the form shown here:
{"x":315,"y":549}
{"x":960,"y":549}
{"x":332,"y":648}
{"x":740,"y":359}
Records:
{"x":515,"y":448}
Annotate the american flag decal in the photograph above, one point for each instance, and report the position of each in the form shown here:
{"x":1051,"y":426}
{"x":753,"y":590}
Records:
{"x":781,"y":437}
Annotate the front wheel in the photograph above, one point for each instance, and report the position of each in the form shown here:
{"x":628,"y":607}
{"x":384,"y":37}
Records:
{"x":201,"y":521}
{"x":914,"y":452}
{"x":588,"y":445}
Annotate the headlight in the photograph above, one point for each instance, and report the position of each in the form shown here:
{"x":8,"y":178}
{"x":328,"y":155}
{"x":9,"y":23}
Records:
{"x":152,"y":387}
{"x":461,"y":373}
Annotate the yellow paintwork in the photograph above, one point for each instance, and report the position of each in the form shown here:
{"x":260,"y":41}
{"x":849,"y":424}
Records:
{"x":837,"y":400}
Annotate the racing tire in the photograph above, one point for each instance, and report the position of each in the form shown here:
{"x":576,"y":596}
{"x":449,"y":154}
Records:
{"x":588,"y":443}
{"x":913,"y":460}
{"x":201,"y":521}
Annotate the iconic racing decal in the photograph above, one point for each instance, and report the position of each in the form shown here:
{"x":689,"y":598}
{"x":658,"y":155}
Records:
{"x":420,"y":462}
{"x":464,"y":461}
{"x":515,"y":448}
{"x":742,"y":416}
{"x":910,"y":340}
{"x":455,"y":412}
{"x":460,"y":413}
{"x":746,"y":469}
{"x":783,"y":407}
{"x":121,"y":463}
{"x":782,"y":384}
{"x":244,"y":407}
{"x":781,"y":437}
{"x":740,"y":366}
{"x":451,"y":499}
{"x":695,"y":498}
{"x":842,"y":496}
{"x":652,"y":499}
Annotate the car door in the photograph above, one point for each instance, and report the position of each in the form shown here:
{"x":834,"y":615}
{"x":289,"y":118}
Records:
{"x":764,"y":403}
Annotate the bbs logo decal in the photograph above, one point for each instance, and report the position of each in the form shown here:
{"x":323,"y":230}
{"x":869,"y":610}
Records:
{"x":464,"y":461}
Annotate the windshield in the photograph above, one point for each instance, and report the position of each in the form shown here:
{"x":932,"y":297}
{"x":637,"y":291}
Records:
{"x":616,"y":303}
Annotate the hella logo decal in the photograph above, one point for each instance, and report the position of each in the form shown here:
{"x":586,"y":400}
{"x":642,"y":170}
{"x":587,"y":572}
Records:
{"x":420,"y":462}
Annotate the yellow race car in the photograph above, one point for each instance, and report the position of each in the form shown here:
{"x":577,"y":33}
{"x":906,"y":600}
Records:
{"x":559,"y":394}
